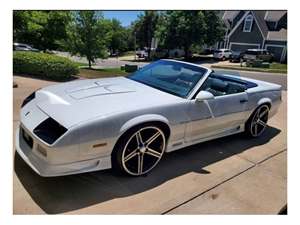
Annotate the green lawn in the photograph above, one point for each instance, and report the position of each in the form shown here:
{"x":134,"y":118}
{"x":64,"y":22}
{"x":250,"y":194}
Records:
{"x":278,"y":66}
{"x":79,"y":64}
{"x":274,"y":68}
{"x":98,"y":73}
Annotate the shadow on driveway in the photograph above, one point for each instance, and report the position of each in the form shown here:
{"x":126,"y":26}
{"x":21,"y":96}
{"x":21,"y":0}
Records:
{"x":63,"y":194}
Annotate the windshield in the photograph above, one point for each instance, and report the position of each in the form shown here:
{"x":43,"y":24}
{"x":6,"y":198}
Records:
{"x":169,"y":76}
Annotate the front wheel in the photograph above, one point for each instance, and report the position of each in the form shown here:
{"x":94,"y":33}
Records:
{"x":257,"y":122}
{"x":139,"y":151}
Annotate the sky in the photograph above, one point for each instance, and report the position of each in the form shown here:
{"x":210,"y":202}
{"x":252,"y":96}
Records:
{"x":125,"y":17}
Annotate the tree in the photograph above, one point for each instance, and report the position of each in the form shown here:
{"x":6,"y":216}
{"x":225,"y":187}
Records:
{"x":19,"y":24}
{"x":215,"y":27}
{"x":88,"y":35}
{"x":144,"y":27}
{"x":117,"y":37}
{"x":129,"y":38}
{"x":184,"y":29}
{"x":42,"y":29}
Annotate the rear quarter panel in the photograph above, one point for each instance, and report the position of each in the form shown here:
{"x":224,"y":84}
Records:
{"x":264,"y":93}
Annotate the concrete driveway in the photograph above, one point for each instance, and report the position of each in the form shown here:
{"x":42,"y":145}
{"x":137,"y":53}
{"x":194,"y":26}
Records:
{"x":231,"y":175}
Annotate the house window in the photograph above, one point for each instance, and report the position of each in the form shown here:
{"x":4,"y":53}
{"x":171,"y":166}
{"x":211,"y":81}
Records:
{"x":248,"y":23}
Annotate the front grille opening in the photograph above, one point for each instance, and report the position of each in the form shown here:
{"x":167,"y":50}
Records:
{"x":49,"y":130}
{"x":27,"y":138}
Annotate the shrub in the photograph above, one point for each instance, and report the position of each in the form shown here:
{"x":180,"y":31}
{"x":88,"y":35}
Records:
{"x":43,"y":65}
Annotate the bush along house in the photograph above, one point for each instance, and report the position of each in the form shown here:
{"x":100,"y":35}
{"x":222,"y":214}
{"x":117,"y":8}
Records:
{"x":256,"y":29}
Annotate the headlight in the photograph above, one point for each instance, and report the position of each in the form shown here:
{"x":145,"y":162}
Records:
{"x":28,"y":99}
{"x":49,"y":130}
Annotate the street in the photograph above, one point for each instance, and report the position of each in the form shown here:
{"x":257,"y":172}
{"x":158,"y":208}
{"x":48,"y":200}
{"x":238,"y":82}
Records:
{"x":231,"y":175}
{"x":276,"y":78}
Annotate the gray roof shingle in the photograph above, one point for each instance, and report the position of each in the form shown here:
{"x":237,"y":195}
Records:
{"x":274,"y":15}
{"x":259,"y":16}
{"x":277,"y":35}
{"x":230,"y":15}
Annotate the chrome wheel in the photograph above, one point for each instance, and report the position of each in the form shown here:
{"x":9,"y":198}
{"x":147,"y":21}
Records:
{"x":259,"y":121}
{"x":143,"y":150}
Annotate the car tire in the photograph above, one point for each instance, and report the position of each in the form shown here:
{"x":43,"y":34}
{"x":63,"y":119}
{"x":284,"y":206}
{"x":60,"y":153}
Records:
{"x":223,"y":58}
{"x":257,"y":122}
{"x":139,"y":150}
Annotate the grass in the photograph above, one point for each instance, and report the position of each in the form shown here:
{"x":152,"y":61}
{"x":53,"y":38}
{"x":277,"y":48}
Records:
{"x":274,"y":68}
{"x":278,"y":66}
{"x":79,"y":64}
{"x":99,"y":73}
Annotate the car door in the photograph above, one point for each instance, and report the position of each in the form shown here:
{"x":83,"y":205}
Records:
{"x":222,"y":115}
{"x":227,"y":53}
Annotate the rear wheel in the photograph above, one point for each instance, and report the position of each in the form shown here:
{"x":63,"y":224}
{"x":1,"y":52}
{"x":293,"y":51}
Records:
{"x":139,"y":151}
{"x":257,"y":122}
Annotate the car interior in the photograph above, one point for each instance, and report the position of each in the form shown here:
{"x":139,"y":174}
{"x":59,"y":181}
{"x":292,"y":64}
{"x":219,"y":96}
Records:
{"x":220,"y":85}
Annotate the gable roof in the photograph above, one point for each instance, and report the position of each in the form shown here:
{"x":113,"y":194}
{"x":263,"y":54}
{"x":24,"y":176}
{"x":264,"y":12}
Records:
{"x":260,"y":17}
{"x":277,"y":35}
{"x":230,"y":14}
{"x":274,"y":15}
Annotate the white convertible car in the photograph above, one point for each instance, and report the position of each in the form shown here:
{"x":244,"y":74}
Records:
{"x":128,"y":123}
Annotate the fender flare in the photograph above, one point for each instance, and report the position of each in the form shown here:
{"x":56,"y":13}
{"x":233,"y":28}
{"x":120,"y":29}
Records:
{"x":264,"y":100}
{"x":260,"y":102}
{"x":142,"y":119}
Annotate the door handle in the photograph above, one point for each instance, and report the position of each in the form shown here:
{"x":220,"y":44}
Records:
{"x":243,"y":100}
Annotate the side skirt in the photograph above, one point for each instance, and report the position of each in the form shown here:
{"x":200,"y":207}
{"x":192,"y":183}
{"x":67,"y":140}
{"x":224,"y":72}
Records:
{"x":220,"y":135}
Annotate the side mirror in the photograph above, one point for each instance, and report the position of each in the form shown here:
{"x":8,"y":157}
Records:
{"x":204,"y":95}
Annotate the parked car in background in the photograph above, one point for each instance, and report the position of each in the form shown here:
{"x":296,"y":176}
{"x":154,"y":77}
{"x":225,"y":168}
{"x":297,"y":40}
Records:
{"x":142,"y":53}
{"x":113,"y":54}
{"x":222,"y":54}
{"x":258,"y":54}
{"x":159,"y":53}
{"x":207,"y":51}
{"x":176,"y":53}
{"x":236,"y":56}
{"x":24,"y":47}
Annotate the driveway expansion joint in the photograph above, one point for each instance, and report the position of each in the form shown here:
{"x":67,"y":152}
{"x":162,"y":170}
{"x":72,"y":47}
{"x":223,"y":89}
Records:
{"x":223,"y":182}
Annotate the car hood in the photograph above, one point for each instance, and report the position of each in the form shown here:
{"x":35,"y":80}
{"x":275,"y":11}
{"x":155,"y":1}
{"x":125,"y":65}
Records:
{"x":74,"y":102}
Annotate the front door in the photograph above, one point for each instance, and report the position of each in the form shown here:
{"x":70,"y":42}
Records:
{"x":223,"y":114}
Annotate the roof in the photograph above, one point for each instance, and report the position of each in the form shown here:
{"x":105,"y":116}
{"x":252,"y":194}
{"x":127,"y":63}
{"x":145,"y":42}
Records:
{"x":277,"y":35}
{"x":230,"y":15}
{"x":262,"y":17}
{"x":274,"y":15}
{"x":259,"y":16}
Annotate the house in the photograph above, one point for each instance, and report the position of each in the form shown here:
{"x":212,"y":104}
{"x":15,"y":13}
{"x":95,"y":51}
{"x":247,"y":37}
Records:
{"x":256,"y":29}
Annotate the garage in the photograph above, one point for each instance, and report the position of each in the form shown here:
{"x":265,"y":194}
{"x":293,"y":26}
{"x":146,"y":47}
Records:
{"x":239,"y":47}
{"x":279,"y":52}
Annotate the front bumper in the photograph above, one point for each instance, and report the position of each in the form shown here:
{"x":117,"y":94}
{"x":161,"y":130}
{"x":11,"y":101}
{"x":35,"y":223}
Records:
{"x":40,"y":165}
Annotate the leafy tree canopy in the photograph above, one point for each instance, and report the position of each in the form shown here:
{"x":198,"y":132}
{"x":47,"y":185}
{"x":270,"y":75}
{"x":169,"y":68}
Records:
{"x":42,"y":29}
{"x":87,"y":35}
{"x":144,"y":28}
{"x":184,"y":29}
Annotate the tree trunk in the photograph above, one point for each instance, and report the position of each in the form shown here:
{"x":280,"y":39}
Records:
{"x":186,"y":52}
{"x":90,"y":64}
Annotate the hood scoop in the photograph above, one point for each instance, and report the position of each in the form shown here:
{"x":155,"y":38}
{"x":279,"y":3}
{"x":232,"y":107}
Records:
{"x":97,"y":89}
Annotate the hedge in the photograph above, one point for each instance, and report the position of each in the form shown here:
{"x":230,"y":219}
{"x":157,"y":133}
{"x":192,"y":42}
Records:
{"x":43,"y":65}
